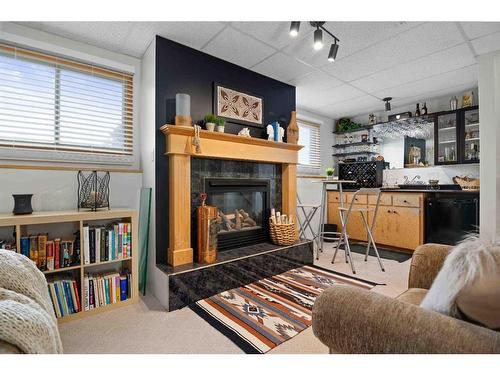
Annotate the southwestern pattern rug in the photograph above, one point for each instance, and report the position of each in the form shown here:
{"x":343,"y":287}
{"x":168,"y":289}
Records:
{"x":260,"y":316}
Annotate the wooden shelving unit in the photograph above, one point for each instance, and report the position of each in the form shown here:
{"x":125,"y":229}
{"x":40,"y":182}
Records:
{"x":79,"y":218}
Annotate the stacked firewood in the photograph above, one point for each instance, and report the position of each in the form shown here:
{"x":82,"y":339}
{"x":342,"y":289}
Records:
{"x":278,"y":218}
{"x":238,"y":220}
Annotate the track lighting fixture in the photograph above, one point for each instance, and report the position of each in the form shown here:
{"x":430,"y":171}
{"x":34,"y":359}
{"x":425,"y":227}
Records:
{"x":387,"y":103}
{"x":294,"y":28}
{"x":318,"y":37}
{"x":332,"y":55}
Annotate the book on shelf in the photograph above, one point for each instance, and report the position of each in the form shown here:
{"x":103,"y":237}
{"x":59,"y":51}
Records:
{"x":105,"y":243}
{"x":106,"y":289}
{"x":50,"y":255}
{"x":65,"y":296}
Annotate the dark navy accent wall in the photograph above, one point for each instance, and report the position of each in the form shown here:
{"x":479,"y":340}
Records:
{"x":180,"y":69}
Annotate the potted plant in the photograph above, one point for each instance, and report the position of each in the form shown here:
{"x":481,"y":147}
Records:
{"x":329,"y":173}
{"x":220,"y":124}
{"x":210,"y":121}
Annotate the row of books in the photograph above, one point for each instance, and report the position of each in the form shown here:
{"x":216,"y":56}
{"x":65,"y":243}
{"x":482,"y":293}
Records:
{"x":101,"y":290}
{"x":65,"y":297}
{"x":111,"y":242}
{"x":50,"y":255}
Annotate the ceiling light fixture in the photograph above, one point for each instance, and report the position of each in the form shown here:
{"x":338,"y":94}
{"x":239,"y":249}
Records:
{"x":387,"y":103}
{"x":294,"y":28}
{"x":332,"y":55}
{"x":318,"y":37}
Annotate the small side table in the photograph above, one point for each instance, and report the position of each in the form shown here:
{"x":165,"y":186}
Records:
{"x":323,"y":204}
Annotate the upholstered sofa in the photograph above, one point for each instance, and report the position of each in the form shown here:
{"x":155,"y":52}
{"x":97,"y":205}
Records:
{"x":352,"y":320}
{"x":27,"y":320}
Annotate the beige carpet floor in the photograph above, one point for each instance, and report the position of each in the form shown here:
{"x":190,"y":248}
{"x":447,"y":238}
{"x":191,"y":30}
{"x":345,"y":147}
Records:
{"x":147,"y":328}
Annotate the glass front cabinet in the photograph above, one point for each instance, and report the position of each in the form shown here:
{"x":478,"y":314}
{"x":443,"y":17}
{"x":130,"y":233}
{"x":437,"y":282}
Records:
{"x":456,"y":136}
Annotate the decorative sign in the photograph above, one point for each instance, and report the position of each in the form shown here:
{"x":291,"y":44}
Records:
{"x":237,"y":106}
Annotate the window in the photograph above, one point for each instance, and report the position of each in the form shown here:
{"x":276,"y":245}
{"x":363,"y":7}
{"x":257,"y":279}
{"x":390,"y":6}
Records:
{"x":50,"y":103}
{"x":309,"y":136}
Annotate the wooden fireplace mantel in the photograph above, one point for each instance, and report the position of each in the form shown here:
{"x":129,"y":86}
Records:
{"x":180,"y":149}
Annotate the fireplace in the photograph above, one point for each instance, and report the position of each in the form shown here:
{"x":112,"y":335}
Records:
{"x":243,"y":210}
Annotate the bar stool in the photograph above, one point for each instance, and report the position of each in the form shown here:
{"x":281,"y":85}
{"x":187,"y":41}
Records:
{"x":308,"y":213}
{"x":345,"y":214}
{"x":321,"y":232}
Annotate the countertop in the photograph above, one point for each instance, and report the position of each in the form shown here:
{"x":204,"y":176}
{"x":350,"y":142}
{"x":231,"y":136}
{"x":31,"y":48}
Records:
{"x":396,"y":190}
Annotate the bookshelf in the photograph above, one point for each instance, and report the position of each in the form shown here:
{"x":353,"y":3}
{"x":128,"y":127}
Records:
{"x":77,"y":219}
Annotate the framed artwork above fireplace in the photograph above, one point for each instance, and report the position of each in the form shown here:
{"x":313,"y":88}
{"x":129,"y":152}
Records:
{"x":237,"y":106}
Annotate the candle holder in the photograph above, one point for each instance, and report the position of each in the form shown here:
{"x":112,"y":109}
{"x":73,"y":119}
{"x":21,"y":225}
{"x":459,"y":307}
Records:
{"x":93,"y":190}
{"x":183,"y":110}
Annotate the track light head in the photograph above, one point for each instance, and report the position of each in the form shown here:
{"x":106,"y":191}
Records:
{"x":387,"y":103}
{"x":294,"y":28}
{"x":332,"y":55}
{"x":318,"y":39}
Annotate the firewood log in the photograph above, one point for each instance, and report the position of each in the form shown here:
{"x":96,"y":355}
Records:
{"x":250,"y":221}
{"x":228,"y":225}
{"x":237,"y":216}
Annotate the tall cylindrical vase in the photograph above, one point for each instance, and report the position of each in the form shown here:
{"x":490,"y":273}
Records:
{"x":183,"y":110}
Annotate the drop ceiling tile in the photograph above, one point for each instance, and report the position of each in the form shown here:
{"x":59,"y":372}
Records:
{"x":420,"y":41}
{"x":355,"y":36}
{"x":282,"y":67}
{"x":463,"y":76}
{"x":486,"y":44}
{"x":476,"y":29}
{"x":317,"y":99}
{"x":315,"y":81}
{"x":431,"y":65}
{"x":348,"y":108}
{"x":238,"y":48}
{"x":191,"y":34}
{"x":273,"y":33}
{"x":107,"y":35}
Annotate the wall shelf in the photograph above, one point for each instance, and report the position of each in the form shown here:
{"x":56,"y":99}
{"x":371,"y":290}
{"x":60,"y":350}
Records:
{"x":355,"y":153}
{"x":342,"y":145}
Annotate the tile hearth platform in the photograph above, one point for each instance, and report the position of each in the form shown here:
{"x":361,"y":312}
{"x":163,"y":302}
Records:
{"x":234,"y":268}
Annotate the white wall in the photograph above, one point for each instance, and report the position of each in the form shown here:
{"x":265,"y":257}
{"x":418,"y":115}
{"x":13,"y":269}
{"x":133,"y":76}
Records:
{"x":489,"y":130}
{"x":57,"y":190}
{"x":157,"y":280}
{"x":308,"y":189}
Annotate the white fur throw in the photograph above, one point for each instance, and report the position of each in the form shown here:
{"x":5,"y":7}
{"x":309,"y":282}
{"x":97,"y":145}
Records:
{"x":27,"y":318}
{"x":471,"y":266}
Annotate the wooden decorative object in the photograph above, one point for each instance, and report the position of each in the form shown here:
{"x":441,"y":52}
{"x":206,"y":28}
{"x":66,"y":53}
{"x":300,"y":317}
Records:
{"x":183,"y":121}
{"x":283,"y":234}
{"x":207,"y":232}
{"x":292,"y":131}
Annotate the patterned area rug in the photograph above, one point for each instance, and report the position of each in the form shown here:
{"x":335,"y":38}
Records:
{"x":260,"y":316}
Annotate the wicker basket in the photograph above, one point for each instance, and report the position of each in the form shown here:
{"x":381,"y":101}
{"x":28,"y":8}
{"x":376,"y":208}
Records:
{"x":467,"y":183}
{"x":282,"y":234}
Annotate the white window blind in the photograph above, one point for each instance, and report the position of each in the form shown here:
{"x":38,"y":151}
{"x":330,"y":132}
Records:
{"x":309,"y":137}
{"x":51,"y":103}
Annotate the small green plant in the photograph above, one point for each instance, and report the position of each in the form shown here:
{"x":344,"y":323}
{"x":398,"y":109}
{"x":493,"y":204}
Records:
{"x":220,"y":121}
{"x":329,"y":171}
{"x":210,"y":117}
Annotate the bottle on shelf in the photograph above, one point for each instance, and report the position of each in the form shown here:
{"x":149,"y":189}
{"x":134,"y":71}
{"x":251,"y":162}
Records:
{"x":424,"y":109}
{"x":417,"y":111}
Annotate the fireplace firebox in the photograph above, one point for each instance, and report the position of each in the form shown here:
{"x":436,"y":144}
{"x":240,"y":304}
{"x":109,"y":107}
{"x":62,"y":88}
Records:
{"x":243,"y":210}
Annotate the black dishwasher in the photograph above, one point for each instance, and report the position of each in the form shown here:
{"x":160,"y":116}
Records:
{"x":451,"y":216}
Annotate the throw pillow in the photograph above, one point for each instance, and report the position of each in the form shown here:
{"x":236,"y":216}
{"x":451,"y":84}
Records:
{"x":468,"y":285}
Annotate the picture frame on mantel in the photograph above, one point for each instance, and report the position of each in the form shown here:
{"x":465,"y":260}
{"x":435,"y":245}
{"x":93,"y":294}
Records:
{"x":238,"y":106}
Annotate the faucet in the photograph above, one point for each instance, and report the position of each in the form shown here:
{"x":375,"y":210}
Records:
{"x":416,"y":180}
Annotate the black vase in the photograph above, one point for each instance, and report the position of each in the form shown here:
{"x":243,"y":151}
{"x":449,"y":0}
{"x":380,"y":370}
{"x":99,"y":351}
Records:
{"x":22,"y":204}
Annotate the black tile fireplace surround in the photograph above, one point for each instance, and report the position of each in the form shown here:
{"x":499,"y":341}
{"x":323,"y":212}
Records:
{"x":236,"y":176}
